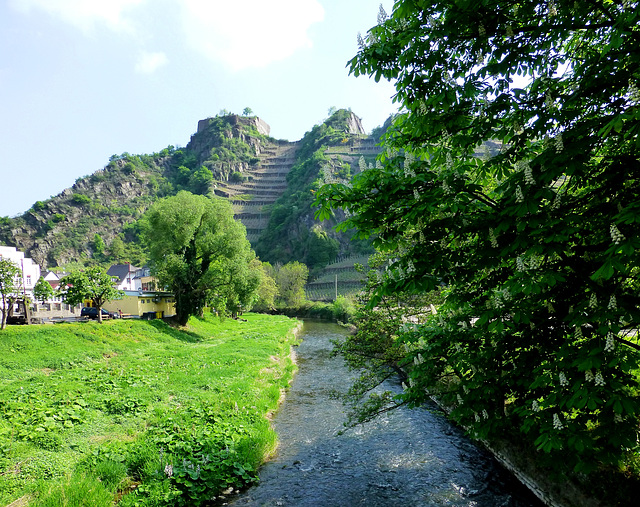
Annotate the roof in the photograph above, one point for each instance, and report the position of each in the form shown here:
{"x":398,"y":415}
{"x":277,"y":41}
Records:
{"x":121,"y":271}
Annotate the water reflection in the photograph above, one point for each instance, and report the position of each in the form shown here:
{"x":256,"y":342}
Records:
{"x":407,"y":457}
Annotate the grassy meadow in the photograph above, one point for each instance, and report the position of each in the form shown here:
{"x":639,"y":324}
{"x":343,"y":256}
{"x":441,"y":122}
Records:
{"x":137,"y":413}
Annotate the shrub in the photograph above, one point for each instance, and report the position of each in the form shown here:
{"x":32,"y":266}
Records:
{"x":80,"y":199}
{"x":237,"y":177}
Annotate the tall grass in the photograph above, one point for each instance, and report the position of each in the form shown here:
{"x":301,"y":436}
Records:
{"x":149,"y":414}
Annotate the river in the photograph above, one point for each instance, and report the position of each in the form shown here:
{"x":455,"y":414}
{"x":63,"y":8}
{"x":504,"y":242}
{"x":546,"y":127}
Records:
{"x":404,"y":458}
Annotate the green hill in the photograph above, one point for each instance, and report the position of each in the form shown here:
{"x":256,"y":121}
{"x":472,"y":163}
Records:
{"x":270,"y":183}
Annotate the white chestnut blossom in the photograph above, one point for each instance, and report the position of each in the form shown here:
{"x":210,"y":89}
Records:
{"x":578,"y":333}
{"x":459,"y":398}
{"x":563,"y":379}
{"x":593,"y":301}
{"x":610,"y":344}
{"x":519,"y":195}
{"x":520,"y":264}
{"x":534,"y":406}
{"x":528,"y":175}
{"x":599,"y":379}
{"x":557,"y":423}
{"x":613,"y":304}
{"x":449,"y":161}
{"x":534,"y":262}
{"x":485,"y":414}
{"x":616,"y":235}
{"x":588,"y":376}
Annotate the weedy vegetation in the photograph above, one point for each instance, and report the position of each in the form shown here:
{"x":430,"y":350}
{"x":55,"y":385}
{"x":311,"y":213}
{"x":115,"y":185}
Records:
{"x":138,"y":413}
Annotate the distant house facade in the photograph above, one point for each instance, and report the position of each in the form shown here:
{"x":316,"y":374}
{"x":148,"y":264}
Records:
{"x":29,"y":270}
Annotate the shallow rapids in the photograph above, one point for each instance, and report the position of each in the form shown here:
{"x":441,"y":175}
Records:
{"x":405,"y":458}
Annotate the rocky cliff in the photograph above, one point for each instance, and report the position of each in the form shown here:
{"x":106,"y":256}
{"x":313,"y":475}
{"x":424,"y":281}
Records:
{"x":94,"y":221}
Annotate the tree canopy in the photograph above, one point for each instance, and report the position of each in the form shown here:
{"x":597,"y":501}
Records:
{"x":198,"y":251}
{"x":9,"y":287}
{"x":512,"y":178}
{"x":92,"y":284}
{"x":42,"y":290}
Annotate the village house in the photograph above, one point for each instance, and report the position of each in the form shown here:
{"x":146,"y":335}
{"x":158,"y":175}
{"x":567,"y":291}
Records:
{"x":141,"y":297}
{"x":30,"y":271}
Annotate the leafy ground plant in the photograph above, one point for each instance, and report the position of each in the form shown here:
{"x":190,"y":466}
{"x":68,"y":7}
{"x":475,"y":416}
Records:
{"x":137,"y":412}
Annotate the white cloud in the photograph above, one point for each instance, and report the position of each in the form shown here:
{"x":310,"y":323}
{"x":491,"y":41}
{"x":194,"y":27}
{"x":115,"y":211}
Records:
{"x":249,"y":33}
{"x":83,"y":14}
{"x":150,"y":62}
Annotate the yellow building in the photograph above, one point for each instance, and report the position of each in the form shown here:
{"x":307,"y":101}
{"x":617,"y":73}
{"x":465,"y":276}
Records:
{"x":144,"y":304}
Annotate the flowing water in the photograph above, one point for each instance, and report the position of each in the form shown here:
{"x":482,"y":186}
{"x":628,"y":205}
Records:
{"x":405,"y":458}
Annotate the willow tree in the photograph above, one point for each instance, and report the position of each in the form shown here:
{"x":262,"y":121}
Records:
{"x":196,"y":248}
{"x":512,"y":177}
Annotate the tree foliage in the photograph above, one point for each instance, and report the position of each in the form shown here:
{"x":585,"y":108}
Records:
{"x":9,"y":287}
{"x":92,"y":284}
{"x":199,"y":252}
{"x":42,"y":290}
{"x":291,"y":279}
{"x":537,"y":237}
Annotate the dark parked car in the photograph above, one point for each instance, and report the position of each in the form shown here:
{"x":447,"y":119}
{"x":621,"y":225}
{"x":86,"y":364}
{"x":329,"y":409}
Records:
{"x":92,"y":313}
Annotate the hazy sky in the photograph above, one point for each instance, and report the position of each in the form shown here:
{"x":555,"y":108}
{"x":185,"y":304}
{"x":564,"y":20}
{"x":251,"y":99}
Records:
{"x":81,"y":80}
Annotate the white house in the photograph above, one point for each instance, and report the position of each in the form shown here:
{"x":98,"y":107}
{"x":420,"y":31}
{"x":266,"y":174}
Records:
{"x":125,"y":274}
{"x":30,"y":271}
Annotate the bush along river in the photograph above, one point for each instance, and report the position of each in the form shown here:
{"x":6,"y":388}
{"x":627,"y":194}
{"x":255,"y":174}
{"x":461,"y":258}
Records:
{"x":406,"y":457}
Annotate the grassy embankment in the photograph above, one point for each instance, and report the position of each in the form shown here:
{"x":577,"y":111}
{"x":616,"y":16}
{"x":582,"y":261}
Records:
{"x":137,"y":412}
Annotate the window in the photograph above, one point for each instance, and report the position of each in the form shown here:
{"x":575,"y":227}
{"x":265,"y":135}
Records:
{"x":28,"y":280}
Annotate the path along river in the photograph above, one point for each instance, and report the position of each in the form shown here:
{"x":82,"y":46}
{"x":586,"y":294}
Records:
{"x":405,"y":458}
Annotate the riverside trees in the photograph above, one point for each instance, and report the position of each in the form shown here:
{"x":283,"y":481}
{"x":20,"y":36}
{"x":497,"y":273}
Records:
{"x":200,"y":253}
{"x":512,"y":176}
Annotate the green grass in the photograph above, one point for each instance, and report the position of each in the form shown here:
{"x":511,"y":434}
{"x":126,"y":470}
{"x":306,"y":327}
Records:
{"x":136,"y":411}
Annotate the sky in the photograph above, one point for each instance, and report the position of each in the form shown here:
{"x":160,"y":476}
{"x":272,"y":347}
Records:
{"x":81,"y":80}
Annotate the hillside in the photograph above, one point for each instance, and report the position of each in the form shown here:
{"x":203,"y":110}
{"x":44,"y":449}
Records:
{"x":269,"y":182}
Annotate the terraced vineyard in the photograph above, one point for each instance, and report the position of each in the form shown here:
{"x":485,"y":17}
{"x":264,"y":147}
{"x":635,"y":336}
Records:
{"x":266,"y":182}
{"x":341,"y":274}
